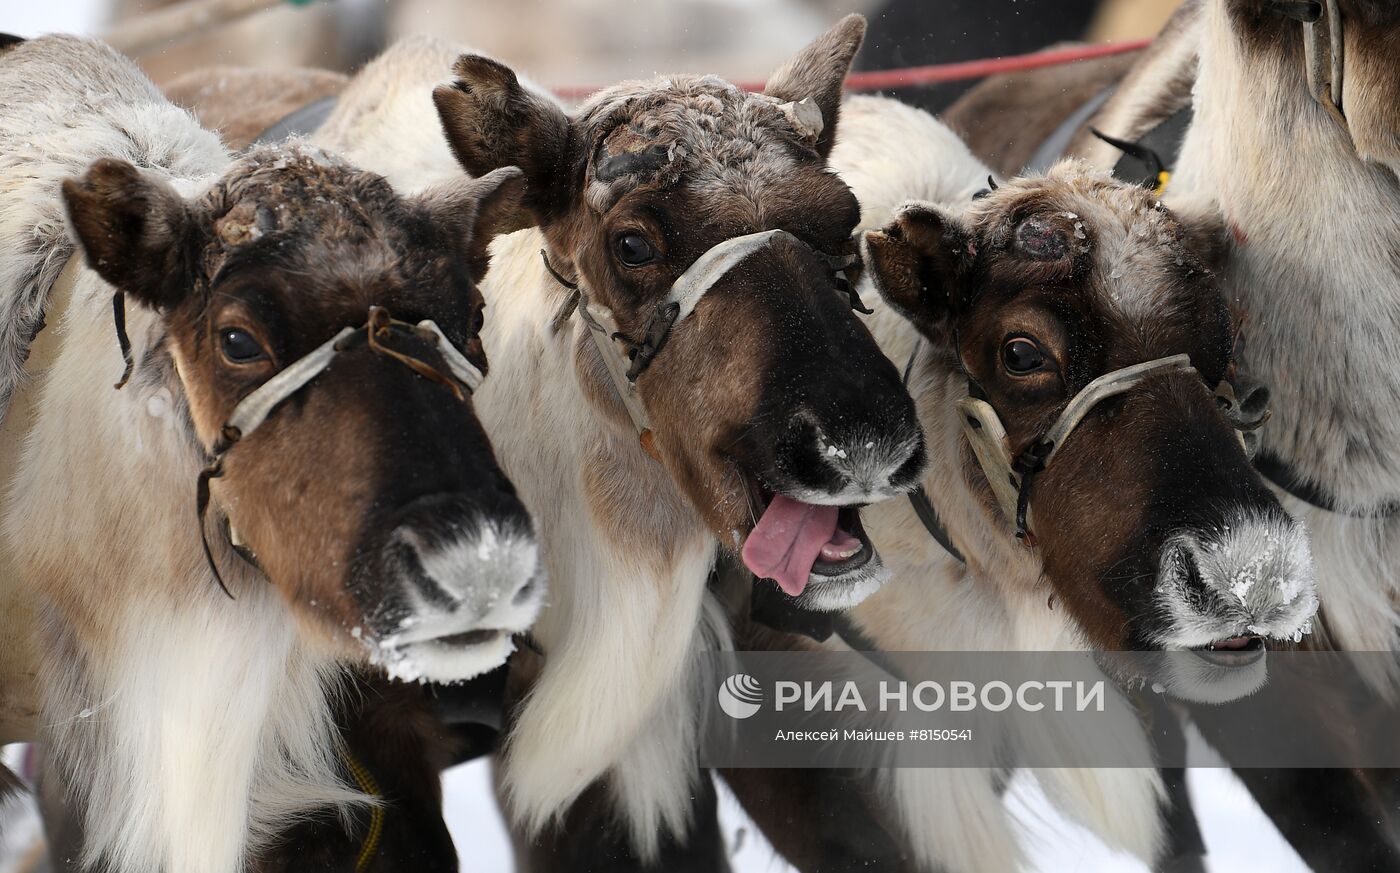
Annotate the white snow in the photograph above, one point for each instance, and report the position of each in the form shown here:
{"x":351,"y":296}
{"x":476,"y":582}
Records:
{"x":1237,"y":833}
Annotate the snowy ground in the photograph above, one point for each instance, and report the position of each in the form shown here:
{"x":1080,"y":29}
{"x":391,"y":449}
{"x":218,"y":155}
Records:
{"x":1238,"y":835}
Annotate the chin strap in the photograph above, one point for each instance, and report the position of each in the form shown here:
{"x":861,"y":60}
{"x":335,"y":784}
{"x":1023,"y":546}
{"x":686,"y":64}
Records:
{"x":680,"y":300}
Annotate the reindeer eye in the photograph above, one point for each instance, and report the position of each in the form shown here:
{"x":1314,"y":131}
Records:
{"x":1021,"y":355}
{"x":239,"y":347}
{"x":633,"y":250}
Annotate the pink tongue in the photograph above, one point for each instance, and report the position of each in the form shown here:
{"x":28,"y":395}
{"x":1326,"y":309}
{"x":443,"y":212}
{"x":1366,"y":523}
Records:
{"x":787,"y":540}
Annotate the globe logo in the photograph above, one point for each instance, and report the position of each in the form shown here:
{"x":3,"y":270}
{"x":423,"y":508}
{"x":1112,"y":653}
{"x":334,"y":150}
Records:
{"x":740,"y":696}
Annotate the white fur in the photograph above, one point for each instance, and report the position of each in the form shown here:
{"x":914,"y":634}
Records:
{"x":866,"y":463}
{"x":494,"y":578}
{"x":1261,"y":570}
{"x":197,"y":744}
{"x":207,"y":725}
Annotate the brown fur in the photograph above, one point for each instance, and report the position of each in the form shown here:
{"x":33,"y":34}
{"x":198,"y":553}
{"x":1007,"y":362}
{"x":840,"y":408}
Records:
{"x":1005,"y":118}
{"x":241,"y":103}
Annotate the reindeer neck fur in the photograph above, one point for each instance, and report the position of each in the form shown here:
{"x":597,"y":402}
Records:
{"x":1315,"y":266}
{"x":187,"y":727}
{"x":627,"y":557}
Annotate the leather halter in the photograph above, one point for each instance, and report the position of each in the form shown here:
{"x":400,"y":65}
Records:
{"x":1325,"y":52}
{"x":253,"y":410}
{"x":679,"y":301}
{"x":1010,"y":476}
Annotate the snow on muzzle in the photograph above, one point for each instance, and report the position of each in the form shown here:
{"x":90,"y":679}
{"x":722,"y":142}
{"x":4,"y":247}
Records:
{"x":467,"y":583}
{"x":1226,"y":595}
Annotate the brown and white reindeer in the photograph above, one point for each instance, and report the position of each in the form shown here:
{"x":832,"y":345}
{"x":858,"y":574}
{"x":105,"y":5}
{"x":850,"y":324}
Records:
{"x":769,"y":414}
{"x":1015,"y":307}
{"x":304,"y":343}
{"x":1295,"y":134}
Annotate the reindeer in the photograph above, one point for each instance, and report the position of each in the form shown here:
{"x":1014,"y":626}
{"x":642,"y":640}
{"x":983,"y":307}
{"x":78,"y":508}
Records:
{"x":1281,"y":92}
{"x":488,"y":116}
{"x":1007,"y":304}
{"x":742,"y":405}
{"x":294,"y":425}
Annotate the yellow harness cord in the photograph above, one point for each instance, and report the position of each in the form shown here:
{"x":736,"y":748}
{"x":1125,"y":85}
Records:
{"x":366,"y":783}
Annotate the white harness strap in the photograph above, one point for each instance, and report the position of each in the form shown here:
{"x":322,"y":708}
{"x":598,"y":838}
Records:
{"x":713,"y":265}
{"x":254,"y":409}
{"x":1106,"y":386}
{"x":984,"y":431}
{"x":680,"y":301}
{"x":615,"y":364}
{"x":466,"y":372}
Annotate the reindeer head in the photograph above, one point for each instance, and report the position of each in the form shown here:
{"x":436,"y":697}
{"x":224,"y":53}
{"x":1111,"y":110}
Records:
{"x":769,"y":404}
{"x":1152,"y":526}
{"x":369,"y":496}
{"x":1340,"y":51}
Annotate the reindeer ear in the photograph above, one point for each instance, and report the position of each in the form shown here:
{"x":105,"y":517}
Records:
{"x":135,"y":230}
{"x":917,"y":263}
{"x":818,"y":72}
{"x":491,"y":122}
{"x":481,"y":208}
{"x":1203,"y":229}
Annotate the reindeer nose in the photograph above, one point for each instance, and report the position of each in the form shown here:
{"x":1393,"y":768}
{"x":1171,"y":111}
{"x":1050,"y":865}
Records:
{"x":466,"y":554}
{"x":469,"y":571}
{"x":1251,"y":576}
{"x":851,"y":461}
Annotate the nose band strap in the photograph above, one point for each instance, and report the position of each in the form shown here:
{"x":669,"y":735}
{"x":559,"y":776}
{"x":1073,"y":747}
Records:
{"x":678,"y":303}
{"x":253,"y":410}
{"x":712,"y":266}
{"x":1010,"y":476}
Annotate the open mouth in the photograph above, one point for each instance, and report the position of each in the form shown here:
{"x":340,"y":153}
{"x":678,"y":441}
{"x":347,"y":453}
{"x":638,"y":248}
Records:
{"x":1232,"y":652}
{"x":794,"y":542}
{"x":470,"y":638}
